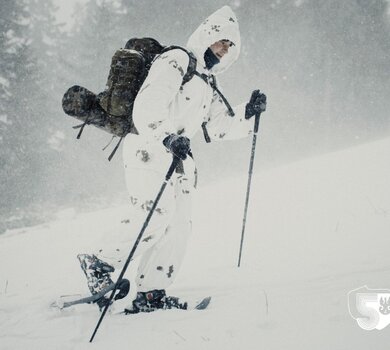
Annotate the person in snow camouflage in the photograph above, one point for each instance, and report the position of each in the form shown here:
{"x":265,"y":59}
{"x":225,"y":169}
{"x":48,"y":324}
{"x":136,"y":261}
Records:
{"x":167,"y":115}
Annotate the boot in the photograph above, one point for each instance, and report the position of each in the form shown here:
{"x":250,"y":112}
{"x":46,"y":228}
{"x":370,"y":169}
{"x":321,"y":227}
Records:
{"x":154,"y":300}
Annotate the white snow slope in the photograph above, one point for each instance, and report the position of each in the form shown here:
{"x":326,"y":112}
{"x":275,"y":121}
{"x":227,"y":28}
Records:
{"x":316,"y":230}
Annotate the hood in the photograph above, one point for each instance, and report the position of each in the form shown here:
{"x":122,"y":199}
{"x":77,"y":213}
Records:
{"x":222,"y":24}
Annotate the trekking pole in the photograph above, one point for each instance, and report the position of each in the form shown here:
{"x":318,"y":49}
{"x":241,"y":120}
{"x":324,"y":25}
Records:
{"x":256,"y":129}
{"x":168,"y":176}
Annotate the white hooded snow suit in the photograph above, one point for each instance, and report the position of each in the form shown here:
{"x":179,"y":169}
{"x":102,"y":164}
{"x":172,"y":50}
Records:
{"x":163,"y":107}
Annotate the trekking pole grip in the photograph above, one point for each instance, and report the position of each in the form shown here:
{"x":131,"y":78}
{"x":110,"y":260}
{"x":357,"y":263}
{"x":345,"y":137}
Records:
{"x":172,"y":168}
{"x":257,"y":123}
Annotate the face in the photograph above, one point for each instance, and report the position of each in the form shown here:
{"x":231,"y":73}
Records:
{"x":221,"y":48}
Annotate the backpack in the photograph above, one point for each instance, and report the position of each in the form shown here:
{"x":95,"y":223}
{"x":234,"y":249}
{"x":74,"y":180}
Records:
{"x":129,"y":68}
{"x":111,"y":110}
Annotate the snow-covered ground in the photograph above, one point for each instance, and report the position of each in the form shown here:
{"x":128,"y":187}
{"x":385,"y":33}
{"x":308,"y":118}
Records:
{"x":316,"y":230}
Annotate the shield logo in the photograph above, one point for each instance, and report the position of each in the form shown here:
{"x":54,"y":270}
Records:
{"x":370,"y":307}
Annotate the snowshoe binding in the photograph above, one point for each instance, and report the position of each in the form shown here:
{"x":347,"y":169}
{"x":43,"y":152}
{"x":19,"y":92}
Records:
{"x":154,"y":300}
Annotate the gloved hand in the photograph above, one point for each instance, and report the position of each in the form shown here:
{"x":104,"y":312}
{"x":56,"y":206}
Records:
{"x":257,"y":104}
{"x":177,"y":145}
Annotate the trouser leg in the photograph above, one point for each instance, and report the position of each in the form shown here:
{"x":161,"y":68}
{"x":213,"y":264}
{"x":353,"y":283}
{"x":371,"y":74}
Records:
{"x":160,"y":264}
{"x":143,"y":186}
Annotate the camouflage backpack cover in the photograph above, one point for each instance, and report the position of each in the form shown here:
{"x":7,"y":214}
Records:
{"x":129,"y":67}
{"x":112,"y":109}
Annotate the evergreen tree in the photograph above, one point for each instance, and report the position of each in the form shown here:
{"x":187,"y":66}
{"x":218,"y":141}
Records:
{"x":96,"y":36}
{"x":17,"y":69}
{"x":85,"y":60}
{"x":28,"y":55}
{"x":46,"y":44}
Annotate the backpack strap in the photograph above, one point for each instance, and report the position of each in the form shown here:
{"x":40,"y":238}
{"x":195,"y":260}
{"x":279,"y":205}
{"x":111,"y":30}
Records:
{"x":213,"y":84}
{"x":205,"y":132}
{"x":115,"y":149}
{"x":191,"y":69}
{"x":86,"y":122}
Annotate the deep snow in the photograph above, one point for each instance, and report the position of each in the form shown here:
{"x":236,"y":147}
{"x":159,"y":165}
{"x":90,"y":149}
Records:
{"x":316,"y":230}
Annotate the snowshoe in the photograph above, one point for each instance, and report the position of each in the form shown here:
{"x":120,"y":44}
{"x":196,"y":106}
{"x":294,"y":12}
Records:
{"x":100,"y":298}
{"x":97,"y":272}
{"x":154,"y":300}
